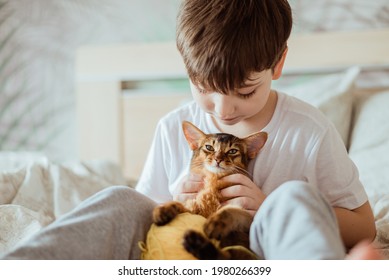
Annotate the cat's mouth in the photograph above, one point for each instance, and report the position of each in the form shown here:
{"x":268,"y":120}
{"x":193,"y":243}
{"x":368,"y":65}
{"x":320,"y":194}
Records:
{"x":215,"y":169}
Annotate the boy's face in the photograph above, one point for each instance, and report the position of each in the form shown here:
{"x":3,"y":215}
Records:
{"x":240,"y":105}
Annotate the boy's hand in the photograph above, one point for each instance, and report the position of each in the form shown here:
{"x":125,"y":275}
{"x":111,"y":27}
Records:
{"x":188,"y":187}
{"x":242,"y":192}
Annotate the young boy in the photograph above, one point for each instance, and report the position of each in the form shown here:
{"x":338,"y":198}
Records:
{"x":305,"y":195}
{"x":232,"y":51}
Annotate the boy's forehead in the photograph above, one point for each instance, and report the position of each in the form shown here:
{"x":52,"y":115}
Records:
{"x":253,"y":79}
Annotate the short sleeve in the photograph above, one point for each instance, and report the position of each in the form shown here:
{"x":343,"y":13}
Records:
{"x":153,"y":181}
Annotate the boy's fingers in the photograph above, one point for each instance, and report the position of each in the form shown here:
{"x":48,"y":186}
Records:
{"x":192,"y":187}
{"x":242,"y":202}
{"x":236,"y":179}
{"x":233,"y":191}
{"x":182,"y":197}
{"x":195,"y":177}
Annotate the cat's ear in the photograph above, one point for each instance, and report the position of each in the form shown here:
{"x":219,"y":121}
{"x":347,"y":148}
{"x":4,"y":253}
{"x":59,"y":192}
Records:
{"x":255,"y":143}
{"x":192,"y":134}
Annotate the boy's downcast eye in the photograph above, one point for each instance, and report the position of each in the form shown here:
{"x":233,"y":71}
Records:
{"x":246,"y":95}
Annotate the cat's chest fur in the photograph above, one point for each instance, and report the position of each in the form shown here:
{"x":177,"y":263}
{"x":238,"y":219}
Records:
{"x":214,"y":157}
{"x":209,"y":199}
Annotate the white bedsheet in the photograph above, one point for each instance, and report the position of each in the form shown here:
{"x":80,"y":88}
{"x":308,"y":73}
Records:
{"x":35,"y":191}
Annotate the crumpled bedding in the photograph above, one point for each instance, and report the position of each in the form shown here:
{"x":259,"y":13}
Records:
{"x":34,"y":192}
{"x":380,"y":206}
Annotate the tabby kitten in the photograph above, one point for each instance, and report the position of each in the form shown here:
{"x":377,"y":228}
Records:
{"x":215,"y":156}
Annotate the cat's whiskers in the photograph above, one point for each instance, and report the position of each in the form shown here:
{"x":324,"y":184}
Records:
{"x":241,"y":170}
{"x":197,"y":164}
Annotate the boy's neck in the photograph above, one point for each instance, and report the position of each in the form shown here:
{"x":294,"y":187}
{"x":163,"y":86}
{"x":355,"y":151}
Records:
{"x":255,"y":123}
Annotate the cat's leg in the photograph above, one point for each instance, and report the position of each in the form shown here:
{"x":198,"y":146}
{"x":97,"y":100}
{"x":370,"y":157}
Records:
{"x":164,"y":213}
{"x":202,"y":248}
{"x":239,"y":253}
{"x":230,"y":225}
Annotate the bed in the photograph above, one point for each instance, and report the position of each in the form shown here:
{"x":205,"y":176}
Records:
{"x":123,"y":90}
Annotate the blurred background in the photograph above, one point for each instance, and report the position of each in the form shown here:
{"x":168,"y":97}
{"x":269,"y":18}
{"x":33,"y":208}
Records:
{"x":39,"y":39}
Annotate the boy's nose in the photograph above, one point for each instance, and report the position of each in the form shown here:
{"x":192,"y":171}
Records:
{"x":224,"y":108}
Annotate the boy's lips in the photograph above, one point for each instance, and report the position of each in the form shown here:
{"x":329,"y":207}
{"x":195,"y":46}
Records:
{"x":226,"y":120}
{"x":229,"y":120}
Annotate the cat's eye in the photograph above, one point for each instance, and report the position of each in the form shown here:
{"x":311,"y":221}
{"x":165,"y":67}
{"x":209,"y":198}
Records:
{"x":232,"y":151}
{"x":209,"y":148}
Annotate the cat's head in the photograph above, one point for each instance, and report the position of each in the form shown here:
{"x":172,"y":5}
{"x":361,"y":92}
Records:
{"x":221,"y":153}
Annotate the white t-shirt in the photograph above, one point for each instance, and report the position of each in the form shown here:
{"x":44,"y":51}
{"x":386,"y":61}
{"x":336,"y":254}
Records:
{"x":302,"y":145}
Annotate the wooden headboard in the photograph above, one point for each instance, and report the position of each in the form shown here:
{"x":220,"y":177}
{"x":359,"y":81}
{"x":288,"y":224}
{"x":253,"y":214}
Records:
{"x":123,"y":90}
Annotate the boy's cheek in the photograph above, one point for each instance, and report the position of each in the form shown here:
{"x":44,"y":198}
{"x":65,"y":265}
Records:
{"x":204,"y":103}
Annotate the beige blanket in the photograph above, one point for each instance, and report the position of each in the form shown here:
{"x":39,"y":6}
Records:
{"x":34,"y":191}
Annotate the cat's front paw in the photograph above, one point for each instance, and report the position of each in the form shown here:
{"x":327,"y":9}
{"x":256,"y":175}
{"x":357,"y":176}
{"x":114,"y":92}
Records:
{"x":164,"y":213}
{"x":216,"y":229}
{"x":200,"y":247}
{"x":218,"y":225}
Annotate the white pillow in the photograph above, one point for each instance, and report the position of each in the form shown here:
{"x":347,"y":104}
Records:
{"x":331,"y":93}
{"x":369,"y":149}
{"x":369,"y":142}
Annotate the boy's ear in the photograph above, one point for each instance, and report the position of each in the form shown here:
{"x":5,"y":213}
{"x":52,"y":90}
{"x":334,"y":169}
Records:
{"x":255,"y":142}
{"x":279,"y":66}
{"x":192,"y":134}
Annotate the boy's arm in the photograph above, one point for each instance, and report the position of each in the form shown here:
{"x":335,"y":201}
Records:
{"x":356,"y":225}
{"x":153,"y":181}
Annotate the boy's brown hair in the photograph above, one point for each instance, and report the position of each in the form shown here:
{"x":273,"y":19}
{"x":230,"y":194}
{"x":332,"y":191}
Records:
{"x":223,"y":41}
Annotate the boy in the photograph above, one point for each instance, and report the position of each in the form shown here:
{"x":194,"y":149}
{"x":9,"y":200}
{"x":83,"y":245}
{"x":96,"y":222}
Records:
{"x":232,"y":51}
{"x":305,"y":194}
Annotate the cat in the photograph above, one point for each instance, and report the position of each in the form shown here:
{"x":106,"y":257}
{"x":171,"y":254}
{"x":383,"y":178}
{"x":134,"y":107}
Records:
{"x":213,"y":157}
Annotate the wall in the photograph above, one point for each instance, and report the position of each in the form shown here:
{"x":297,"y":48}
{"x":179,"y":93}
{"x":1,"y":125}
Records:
{"x":38,"y":39}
